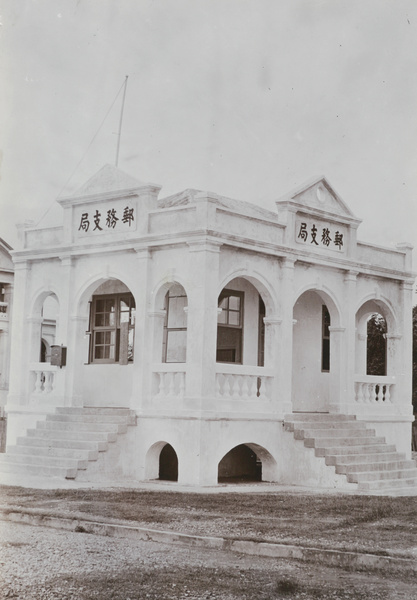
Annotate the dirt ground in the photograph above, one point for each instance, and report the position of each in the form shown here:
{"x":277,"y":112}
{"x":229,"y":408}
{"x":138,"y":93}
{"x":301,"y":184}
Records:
{"x":377,"y":525}
{"x":37,"y":563}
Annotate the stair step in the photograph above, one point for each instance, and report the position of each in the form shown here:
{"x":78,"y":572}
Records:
{"x":353,"y":450}
{"x":382,"y":475}
{"x":50,"y":442}
{"x":329,"y":425}
{"x":303,"y":416}
{"x":54,"y":452}
{"x":388,"y":484}
{"x":343,"y":441}
{"x":43,"y":470}
{"x":29,"y":459}
{"x":375,"y":466}
{"x":71,"y":426}
{"x":94,"y":410}
{"x":352,"y":459}
{"x":96,"y":436}
{"x":92,"y":418}
{"x":300,"y":434}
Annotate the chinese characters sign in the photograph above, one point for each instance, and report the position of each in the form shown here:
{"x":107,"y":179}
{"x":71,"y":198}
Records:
{"x":320,"y":235}
{"x":120,"y":219}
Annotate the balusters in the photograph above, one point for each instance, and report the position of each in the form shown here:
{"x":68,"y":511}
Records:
{"x":234,"y":386}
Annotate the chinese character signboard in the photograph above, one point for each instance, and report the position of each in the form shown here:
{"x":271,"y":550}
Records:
{"x":314,"y":233}
{"x":119,"y":217}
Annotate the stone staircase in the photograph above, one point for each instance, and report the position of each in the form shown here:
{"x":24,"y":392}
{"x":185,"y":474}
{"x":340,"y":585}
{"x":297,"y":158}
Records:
{"x":66,"y":441}
{"x":355,"y":451}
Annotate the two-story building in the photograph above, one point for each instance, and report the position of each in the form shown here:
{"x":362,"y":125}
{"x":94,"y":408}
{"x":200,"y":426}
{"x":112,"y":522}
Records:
{"x":201,"y":339}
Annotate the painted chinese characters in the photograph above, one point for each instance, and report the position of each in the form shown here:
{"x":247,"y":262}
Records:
{"x":319,"y":235}
{"x":109,"y":221}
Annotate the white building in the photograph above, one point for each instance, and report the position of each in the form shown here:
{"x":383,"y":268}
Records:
{"x":234,"y":338}
{"x":6,"y":301}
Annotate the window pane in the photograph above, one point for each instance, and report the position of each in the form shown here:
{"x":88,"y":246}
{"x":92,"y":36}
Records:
{"x":176,"y":346}
{"x":234,"y":318}
{"x":222,"y":317}
{"x":177,"y":317}
{"x":224,"y":303}
{"x":234,"y":302}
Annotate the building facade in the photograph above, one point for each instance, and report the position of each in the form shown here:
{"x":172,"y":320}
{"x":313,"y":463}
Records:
{"x":6,"y":302}
{"x":216,"y":323}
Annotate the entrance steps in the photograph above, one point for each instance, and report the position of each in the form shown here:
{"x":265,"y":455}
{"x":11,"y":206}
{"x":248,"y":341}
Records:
{"x":355,"y":451}
{"x":66,"y":441}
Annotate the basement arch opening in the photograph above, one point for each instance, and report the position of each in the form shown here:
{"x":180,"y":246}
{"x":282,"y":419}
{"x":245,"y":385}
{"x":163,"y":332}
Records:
{"x":246,"y":463}
{"x":161,"y":462}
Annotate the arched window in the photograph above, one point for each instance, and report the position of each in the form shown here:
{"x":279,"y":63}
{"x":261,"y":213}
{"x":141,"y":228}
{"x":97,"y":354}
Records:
{"x":175,"y":326}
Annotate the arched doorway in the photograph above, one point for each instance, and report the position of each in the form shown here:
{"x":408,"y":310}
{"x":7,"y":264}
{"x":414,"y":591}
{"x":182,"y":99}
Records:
{"x":313,"y":355}
{"x":168,"y":464}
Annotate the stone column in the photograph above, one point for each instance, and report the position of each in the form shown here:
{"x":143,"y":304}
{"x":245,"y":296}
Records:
{"x":19,"y":352}
{"x":348,"y":348}
{"x":337,"y":369}
{"x":284,"y":348}
{"x":142,"y":358}
{"x":204,"y":263}
{"x":403,"y":347}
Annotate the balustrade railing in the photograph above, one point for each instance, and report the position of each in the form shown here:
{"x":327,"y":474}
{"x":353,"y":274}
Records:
{"x":375,"y":390}
{"x":45,"y":378}
{"x":169,"y":380}
{"x":241,"y":382}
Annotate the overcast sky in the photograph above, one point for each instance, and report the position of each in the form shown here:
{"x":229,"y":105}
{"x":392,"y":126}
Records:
{"x":246,"y":98}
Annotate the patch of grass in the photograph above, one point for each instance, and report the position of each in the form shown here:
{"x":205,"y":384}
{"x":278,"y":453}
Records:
{"x":359,"y":523}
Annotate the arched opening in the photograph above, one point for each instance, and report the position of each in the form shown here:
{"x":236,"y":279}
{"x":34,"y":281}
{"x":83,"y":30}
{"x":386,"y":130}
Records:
{"x":174,"y":341}
{"x":314,"y":315}
{"x":374,"y":323}
{"x":112,"y":324}
{"x":241,"y":464}
{"x":49,"y":318}
{"x":376,"y":345}
{"x":168,"y":464}
{"x":240,"y":324}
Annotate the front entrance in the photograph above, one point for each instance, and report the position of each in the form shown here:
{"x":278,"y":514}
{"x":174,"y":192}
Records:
{"x":311,"y":354}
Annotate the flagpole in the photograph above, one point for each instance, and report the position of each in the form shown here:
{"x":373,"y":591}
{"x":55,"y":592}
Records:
{"x":120,"y":122}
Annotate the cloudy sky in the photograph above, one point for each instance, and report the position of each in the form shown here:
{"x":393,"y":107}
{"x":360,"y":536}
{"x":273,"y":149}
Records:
{"x":242,"y":97}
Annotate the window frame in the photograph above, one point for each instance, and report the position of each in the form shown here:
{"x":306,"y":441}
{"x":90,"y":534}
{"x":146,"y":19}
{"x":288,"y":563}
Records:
{"x":114,"y":328}
{"x":238,"y":349}
{"x":168,"y":330}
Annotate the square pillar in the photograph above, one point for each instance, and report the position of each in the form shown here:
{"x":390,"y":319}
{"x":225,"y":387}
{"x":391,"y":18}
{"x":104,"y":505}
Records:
{"x":202,"y":323}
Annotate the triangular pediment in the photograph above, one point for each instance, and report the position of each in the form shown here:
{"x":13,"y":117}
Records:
{"x":319,"y":197}
{"x":109,"y":179}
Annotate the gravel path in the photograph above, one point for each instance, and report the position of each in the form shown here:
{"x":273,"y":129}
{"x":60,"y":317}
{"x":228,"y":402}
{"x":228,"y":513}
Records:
{"x":37,"y":563}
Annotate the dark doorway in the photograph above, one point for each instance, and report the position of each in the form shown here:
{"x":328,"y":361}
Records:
{"x":168,"y":464}
{"x":241,"y":464}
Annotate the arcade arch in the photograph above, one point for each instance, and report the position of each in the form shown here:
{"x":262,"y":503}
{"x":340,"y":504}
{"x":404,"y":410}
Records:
{"x":375,"y":323}
{"x":315,"y":313}
{"x":243,"y":304}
